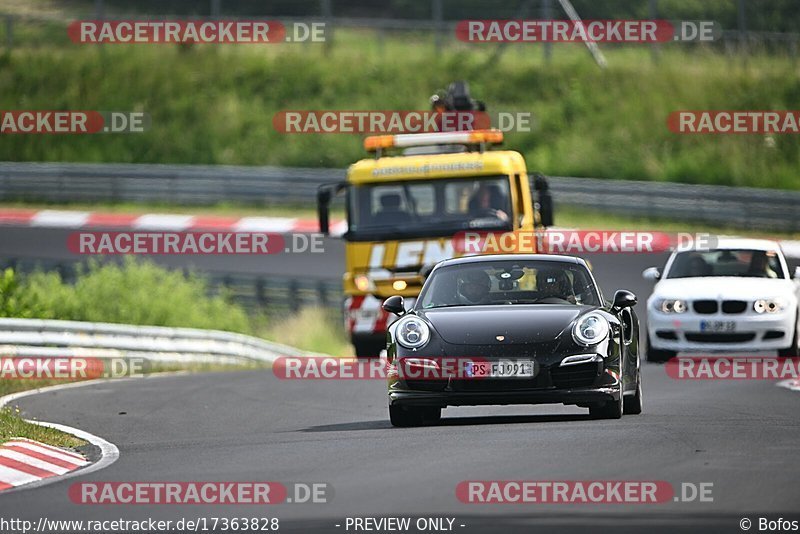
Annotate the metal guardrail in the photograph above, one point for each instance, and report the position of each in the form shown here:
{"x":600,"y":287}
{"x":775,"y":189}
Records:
{"x":735,"y":207}
{"x":172,"y":184}
{"x":764,"y":209}
{"x":48,"y":338}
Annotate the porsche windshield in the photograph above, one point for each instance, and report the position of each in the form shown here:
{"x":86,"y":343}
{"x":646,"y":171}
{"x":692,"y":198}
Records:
{"x":509,"y":282}
{"x":727,"y":262}
{"x":427,"y":208}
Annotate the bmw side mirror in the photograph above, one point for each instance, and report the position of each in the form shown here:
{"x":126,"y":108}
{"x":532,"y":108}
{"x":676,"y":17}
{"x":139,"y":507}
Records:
{"x":395,"y":305}
{"x":651,"y":273}
{"x":624,"y":299}
{"x":797,"y":273}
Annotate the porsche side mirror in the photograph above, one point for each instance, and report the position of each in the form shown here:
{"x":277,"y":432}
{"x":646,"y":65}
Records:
{"x":797,"y":273}
{"x":651,"y":273}
{"x":395,"y":305}
{"x":624,"y":299}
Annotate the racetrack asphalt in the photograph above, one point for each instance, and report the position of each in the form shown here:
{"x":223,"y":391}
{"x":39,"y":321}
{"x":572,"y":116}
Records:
{"x":742,"y":436}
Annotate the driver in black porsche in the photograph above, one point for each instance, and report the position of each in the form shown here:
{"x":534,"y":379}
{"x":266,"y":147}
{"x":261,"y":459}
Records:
{"x":554,"y":284}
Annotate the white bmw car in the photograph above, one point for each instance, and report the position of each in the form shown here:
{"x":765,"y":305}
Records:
{"x":736,"y":297}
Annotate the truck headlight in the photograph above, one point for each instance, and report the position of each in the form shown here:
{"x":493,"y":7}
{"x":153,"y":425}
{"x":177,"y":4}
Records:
{"x":671,"y":306}
{"x":412,"y":332}
{"x":590,"y":329}
{"x":363,"y":283}
{"x":769,"y":305}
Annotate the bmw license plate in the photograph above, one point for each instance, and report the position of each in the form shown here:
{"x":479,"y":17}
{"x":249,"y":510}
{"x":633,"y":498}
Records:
{"x":717,"y":326}
{"x":501,"y":369}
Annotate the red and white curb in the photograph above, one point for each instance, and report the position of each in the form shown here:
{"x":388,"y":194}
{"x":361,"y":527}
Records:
{"x":55,"y":463}
{"x":162,"y":222}
{"x":23,"y":461}
{"x":159,"y":222}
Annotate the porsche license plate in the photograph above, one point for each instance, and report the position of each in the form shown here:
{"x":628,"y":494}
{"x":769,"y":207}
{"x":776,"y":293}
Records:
{"x":717,"y":326}
{"x":501,"y":369}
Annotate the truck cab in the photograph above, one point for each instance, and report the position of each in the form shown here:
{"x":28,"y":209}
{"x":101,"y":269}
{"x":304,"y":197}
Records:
{"x":405,"y":211}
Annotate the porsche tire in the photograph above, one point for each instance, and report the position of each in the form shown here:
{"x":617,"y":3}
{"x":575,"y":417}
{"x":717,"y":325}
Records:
{"x":658,"y":356}
{"x":409,"y":416}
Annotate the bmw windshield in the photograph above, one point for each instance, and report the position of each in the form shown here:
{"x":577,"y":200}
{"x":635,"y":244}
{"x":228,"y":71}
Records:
{"x":727,"y":262}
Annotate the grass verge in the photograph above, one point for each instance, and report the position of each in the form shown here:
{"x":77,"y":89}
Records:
{"x":311,"y":329}
{"x":212,"y":104}
{"x":13,"y":426}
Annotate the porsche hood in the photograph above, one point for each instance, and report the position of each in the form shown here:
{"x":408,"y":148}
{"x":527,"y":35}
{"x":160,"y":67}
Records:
{"x":514,"y":324}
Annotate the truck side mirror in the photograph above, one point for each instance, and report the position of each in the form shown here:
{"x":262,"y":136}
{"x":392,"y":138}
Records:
{"x":544,"y":199}
{"x":324,"y":195}
{"x":323,"y":213}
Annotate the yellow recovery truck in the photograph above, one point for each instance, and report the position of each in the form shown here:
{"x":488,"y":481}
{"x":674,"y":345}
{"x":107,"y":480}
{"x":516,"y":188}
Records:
{"x":403,"y":212}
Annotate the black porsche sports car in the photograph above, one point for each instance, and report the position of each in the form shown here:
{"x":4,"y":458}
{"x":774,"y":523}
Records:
{"x":512,"y":329}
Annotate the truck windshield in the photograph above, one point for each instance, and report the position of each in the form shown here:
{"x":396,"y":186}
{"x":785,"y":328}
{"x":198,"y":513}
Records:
{"x":418,"y":208}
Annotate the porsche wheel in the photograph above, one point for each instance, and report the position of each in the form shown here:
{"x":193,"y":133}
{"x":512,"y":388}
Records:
{"x":658,"y":356}
{"x":408,"y":416}
{"x":632,"y":404}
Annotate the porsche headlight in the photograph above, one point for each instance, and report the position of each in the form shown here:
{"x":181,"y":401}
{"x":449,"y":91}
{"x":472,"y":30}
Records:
{"x":671,"y":306}
{"x":590,"y":329}
{"x":412,"y":332}
{"x":769,"y":305}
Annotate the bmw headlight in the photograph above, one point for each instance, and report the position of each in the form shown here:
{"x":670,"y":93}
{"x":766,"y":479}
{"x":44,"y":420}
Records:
{"x":671,"y":306}
{"x":769,"y":305}
{"x":412,"y":332}
{"x":590,"y":329}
